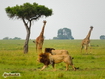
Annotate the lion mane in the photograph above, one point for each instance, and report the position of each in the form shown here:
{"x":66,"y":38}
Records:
{"x":44,"y":58}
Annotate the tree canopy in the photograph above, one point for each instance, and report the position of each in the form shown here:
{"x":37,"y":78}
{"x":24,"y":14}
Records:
{"x":28,"y":11}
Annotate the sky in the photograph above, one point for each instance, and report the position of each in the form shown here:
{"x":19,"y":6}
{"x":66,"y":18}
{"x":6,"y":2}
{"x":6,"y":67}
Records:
{"x":77,"y":15}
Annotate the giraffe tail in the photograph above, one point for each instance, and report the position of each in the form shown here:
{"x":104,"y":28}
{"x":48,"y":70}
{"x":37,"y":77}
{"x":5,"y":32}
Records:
{"x":36,"y":47}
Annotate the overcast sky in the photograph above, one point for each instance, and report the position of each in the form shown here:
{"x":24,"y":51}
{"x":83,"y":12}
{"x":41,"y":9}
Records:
{"x":77,"y":15}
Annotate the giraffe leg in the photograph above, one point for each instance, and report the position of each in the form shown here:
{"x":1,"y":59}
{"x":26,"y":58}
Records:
{"x":81,"y":48}
{"x":86,"y":49}
{"x":40,"y":47}
{"x":36,"y":46}
{"x":89,"y":47}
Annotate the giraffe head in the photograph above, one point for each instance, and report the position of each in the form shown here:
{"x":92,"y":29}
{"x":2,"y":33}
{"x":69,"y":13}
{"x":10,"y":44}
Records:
{"x":44,"y":21}
{"x":91,"y":27}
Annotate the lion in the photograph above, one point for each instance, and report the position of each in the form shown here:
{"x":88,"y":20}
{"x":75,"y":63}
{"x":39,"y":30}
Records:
{"x":47,"y":59}
{"x":56,"y":52}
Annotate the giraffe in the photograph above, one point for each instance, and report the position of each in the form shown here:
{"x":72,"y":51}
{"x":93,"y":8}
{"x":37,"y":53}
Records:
{"x":40,"y":39}
{"x":86,"y":41}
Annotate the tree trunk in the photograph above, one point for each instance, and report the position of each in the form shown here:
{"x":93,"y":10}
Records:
{"x":26,"y":42}
{"x":28,"y":34}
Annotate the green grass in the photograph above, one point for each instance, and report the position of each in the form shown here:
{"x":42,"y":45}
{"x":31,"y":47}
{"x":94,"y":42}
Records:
{"x":91,"y":65}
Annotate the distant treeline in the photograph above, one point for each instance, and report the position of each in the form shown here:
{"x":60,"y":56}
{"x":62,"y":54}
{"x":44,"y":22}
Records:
{"x":15,"y":38}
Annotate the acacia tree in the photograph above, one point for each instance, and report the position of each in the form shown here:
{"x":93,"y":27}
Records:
{"x":28,"y":13}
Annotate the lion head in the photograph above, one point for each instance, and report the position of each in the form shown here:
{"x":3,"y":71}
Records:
{"x":44,"y":58}
{"x":48,"y":50}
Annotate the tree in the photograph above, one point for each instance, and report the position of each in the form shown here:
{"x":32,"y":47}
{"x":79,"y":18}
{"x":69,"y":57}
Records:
{"x":16,"y":38}
{"x":28,"y":13}
{"x":64,"y":33}
{"x":102,"y":37}
{"x":6,"y":38}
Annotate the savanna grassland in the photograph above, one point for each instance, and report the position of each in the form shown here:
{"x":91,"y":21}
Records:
{"x":91,"y":65}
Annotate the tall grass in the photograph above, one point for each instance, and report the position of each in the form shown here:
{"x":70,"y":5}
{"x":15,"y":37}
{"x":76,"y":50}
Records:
{"x":91,"y":65}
